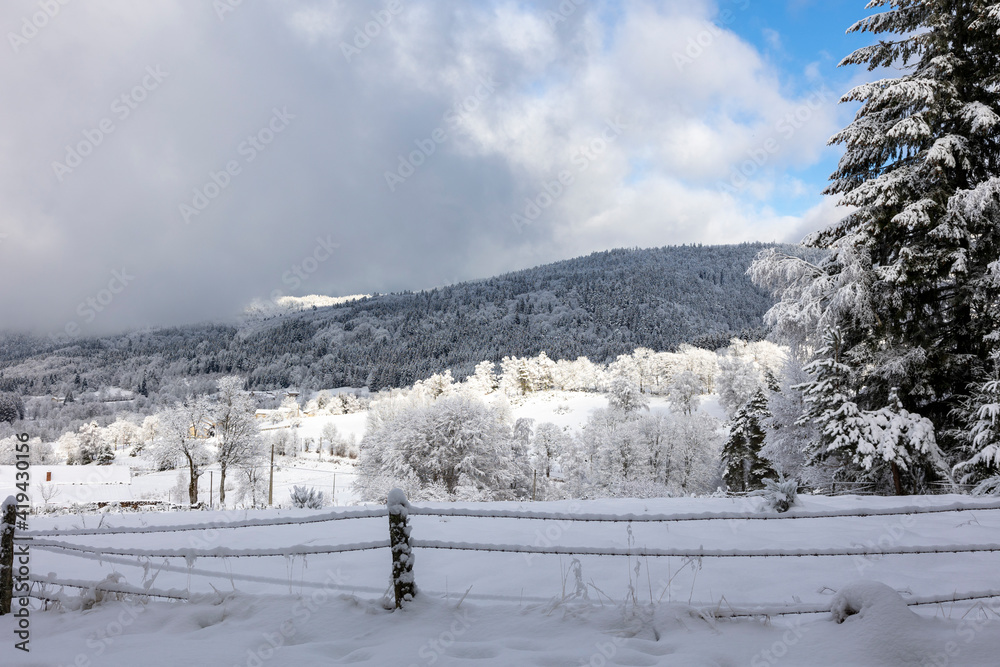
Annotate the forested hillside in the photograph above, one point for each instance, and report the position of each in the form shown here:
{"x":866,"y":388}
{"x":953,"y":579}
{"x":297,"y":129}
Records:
{"x":598,"y":306}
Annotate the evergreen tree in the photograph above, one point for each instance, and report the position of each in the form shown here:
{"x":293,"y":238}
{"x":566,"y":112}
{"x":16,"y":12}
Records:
{"x":979,"y":415}
{"x":908,"y":281}
{"x":744,"y":469}
{"x":11,"y":408}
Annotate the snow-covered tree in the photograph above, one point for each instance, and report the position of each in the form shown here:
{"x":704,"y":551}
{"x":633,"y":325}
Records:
{"x":737,"y":381}
{"x":980,"y":415}
{"x":624,"y":395}
{"x":693,"y":442}
{"x":92,"y":447}
{"x":786,"y":435}
{"x":454,"y":443}
{"x":744,"y":469}
{"x":907,"y":279}
{"x":236,"y":431}
{"x":547,"y":446}
{"x":252,"y":476}
{"x":436,"y":386}
{"x":11,"y":408}
{"x":122,"y":433}
{"x":182,"y":437}
{"x":483,"y":381}
{"x":684,"y":391}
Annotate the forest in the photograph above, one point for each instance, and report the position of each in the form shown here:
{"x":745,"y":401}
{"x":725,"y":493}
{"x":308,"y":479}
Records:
{"x":598,"y":306}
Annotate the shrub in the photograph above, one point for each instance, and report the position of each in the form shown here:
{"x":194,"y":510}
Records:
{"x":779,"y":495}
{"x":303,"y":498}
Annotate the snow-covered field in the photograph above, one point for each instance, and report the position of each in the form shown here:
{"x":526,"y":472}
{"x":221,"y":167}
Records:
{"x":478,"y":607}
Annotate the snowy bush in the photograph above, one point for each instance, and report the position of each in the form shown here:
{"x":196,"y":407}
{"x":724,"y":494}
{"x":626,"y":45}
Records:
{"x":453,"y":442}
{"x":779,"y":495}
{"x":303,"y":498}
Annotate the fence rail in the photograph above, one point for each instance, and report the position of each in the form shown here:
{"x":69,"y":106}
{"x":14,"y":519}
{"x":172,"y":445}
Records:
{"x":216,"y":552}
{"x":399,"y":511}
{"x":415,"y":510}
{"x":694,"y":516}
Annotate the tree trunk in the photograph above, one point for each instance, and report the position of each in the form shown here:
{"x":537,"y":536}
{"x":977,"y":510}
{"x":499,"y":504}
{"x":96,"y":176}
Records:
{"x":897,"y":482}
{"x":222,"y":484}
{"x":192,"y":484}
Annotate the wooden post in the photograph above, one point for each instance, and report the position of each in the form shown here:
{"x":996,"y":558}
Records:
{"x":7,"y":554}
{"x":402,"y":555}
{"x":270,"y":480}
{"x":211,"y":490}
{"x":534,"y":481}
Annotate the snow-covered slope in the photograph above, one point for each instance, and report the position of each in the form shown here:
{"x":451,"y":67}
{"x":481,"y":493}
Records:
{"x":477,"y":607}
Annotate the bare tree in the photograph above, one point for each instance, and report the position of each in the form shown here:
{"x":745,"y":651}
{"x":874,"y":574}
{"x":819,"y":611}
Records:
{"x":181,"y":436}
{"x":235,"y":427}
{"x":48,"y":492}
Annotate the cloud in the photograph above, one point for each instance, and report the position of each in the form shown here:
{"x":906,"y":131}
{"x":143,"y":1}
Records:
{"x":476,"y":108}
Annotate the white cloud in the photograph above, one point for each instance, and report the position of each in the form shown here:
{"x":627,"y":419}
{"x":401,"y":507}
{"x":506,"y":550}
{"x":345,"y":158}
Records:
{"x":698,"y":105}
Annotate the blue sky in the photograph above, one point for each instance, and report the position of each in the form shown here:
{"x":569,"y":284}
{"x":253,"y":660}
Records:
{"x":798,"y":38}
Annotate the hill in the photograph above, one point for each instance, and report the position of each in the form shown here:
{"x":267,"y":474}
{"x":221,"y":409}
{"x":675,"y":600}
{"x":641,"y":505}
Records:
{"x":599,"y":306}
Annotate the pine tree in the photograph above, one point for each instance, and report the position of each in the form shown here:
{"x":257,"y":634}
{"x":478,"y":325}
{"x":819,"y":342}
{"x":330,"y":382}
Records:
{"x":909,"y":279}
{"x":979,"y":415}
{"x":744,"y":469}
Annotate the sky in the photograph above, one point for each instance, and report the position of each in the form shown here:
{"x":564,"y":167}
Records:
{"x":170,"y":162}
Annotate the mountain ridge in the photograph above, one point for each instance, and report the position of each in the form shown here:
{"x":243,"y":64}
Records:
{"x":599,"y":305}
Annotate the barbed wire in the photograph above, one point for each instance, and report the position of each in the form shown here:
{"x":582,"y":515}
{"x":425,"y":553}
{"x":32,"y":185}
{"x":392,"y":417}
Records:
{"x":367,"y":513}
{"x":701,"y":552}
{"x":693,"y":516}
{"x":217,"y":552}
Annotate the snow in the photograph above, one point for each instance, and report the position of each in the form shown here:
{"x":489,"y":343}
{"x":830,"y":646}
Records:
{"x":397,"y":502}
{"x":520,"y":608}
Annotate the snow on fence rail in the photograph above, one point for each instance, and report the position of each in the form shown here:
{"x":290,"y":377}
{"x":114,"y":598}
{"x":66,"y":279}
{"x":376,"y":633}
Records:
{"x":715,"y":610}
{"x":366,"y":513}
{"x":414,"y":510}
{"x":216,"y":552}
{"x":701,"y":552}
{"x":398,"y":511}
{"x":697,"y":516}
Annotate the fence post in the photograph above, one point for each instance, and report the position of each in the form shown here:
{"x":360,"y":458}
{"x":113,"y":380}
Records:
{"x":7,"y":555}
{"x":402,"y":555}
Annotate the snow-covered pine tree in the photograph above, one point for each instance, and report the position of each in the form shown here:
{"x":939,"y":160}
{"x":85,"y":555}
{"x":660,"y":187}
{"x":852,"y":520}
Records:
{"x":744,"y":469}
{"x":913,"y":258}
{"x":980,"y":416}
{"x":787,"y":435}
